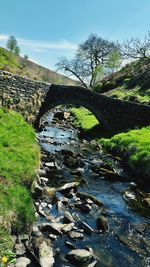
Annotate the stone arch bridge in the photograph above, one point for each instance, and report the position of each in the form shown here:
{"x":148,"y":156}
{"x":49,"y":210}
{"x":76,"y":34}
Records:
{"x":33,"y":99}
{"x":114,"y":115}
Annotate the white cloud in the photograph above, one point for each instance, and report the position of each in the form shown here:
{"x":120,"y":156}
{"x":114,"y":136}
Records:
{"x":63,"y":44}
{"x":41,"y":46}
{"x":3,"y":37}
{"x":45,"y":53}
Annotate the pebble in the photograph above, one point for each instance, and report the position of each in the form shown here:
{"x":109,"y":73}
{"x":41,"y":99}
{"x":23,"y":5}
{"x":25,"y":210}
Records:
{"x":76,"y":235}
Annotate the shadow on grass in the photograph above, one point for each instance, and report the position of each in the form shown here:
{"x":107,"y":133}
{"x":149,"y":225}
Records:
{"x":95,"y":132}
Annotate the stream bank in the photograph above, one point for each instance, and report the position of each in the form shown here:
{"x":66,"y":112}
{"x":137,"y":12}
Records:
{"x":90,"y":211}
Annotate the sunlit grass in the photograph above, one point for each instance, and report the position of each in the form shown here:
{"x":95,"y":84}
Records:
{"x":19,"y":160}
{"x":134,"y":94}
{"x":84,"y":118}
{"x":135,"y":147}
{"x":19,"y":154}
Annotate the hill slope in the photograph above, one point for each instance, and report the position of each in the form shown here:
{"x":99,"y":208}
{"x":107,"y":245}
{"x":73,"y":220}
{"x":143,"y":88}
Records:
{"x":29,"y":69}
{"x":131,"y":83}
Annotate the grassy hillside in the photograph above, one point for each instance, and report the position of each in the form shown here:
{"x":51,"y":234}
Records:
{"x":131,"y":83}
{"x":29,"y":69}
{"x":19,"y":160}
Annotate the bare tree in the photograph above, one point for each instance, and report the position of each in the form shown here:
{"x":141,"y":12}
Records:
{"x":74,"y":67}
{"x":136,"y":49}
{"x":89,"y":60}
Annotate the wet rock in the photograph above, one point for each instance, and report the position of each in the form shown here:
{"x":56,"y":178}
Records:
{"x":76,"y":235}
{"x":46,"y":255}
{"x":83,"y":206}
{"x":22,"y":262}
{"x":87,"y":228}
{"x":49,"y":206}
{"x":36,"y":189}
{"x":72,"y":162}
{"x":89,"y":249}
{"x":53,"y":237}
{"x":68,"y":217}
{"x":43,"y":180}
{"x":50,"y":165}
{"x":102,"y":223}
{"x":36,"y":232}
{"x":61,"y":198}
{"x":92,"y":263}
{"x":66,"y":115}
{"x":54,"y":228}
{"x":36,"y":203}
{"x":65,"y":152}
{"x":89,"y":201}
{"x":78,"y":171}
{"x":68,"y":228}
{"x":49,"y":192}
{"x":79,"y":230}
{"x":60,"y":206}
{"x":72,"y":193}
{"x":79,"y":256}
{"x":60,"y":115}
{"x":40,"y":211}
{"x":68,"y":186}
{"x":76,"y":216}
{"x":57,"y":251}
{"x":56,"y":219}
{"x":85,"y":196}
{"x":43,"y":204}
{"x":130,"y":195}
{"x":86,"y":208}
{"x":42,"y":172}
{"x":48,"y":140}
{"x":147,"y":201}
{"x":70,"y":245}
{"x":20,"y":249}
{"x":23,"y":238}
{"x":112,"y":173}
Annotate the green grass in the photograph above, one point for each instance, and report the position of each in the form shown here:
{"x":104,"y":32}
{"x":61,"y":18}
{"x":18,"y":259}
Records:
{"x":134,"y":94}
{"x":135,"y":147}
{"x":17,"y":144}
{"x":7,"y":60}
{"x":19,"y":160}
{"x":84,"y":118}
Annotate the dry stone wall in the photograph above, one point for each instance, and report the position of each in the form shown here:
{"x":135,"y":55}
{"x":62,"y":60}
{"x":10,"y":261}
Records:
{"x":22,"y":94}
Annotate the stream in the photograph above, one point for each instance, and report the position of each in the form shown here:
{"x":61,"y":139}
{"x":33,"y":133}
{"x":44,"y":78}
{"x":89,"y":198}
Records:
{"x":104,"y":211}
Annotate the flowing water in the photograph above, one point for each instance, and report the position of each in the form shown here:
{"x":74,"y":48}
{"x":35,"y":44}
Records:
{"x":126,"y":242}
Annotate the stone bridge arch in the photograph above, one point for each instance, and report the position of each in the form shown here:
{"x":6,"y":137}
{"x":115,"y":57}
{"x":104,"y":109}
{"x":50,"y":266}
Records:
{"x":113,"y":114}
{"x":73,"y":95}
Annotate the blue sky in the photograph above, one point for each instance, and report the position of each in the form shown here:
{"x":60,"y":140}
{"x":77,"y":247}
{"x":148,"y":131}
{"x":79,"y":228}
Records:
{"x":49,"y":29}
